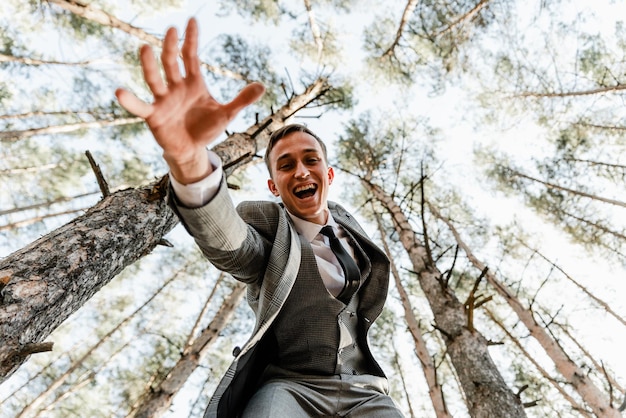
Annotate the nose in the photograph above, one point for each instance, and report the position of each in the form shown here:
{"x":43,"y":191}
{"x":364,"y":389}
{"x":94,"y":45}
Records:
{"x":301,"y":172}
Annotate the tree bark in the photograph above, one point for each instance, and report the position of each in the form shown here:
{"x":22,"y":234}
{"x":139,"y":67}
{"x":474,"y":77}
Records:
{"x":52,"y":277}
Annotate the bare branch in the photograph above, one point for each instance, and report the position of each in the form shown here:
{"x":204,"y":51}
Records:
{"x":408,"y":10}
{"x":564,"y":94}
{"x":467,"y":16}
{"x":565,"y":189}
{"x":315,"y":29}
{"x":12,"y":136}
{"x":93,"y":14}
{"x":102,"y":183}
{"x":37,"y":62}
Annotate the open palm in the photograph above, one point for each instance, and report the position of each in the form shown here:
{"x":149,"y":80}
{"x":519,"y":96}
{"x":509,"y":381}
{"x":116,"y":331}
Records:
{"x":184,"y":117}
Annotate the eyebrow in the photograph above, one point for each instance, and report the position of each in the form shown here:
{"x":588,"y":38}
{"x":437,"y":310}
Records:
{"x":305,"y":151}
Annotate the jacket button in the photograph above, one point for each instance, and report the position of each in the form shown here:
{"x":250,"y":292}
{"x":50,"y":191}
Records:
{"x":236,"y":351}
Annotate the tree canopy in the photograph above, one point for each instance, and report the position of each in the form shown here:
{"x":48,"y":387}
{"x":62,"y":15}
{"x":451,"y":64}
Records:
{"x":481,"y":143}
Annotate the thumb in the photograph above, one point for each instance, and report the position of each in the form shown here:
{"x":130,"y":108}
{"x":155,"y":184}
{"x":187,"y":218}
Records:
{"x":248,"y":95}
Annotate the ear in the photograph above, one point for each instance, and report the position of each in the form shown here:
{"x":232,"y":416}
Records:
{"x":272,"y":186}
{"x":331,"y":175}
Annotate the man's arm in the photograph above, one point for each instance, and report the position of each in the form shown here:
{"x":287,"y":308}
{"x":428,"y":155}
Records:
{"x":185,"y":119}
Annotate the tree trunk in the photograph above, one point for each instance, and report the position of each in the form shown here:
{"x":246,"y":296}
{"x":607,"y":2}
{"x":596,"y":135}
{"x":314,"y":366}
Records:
{"x":486,"y":393}
{"x":45,"y":282}
{"x":575,"y":405}
{"x":574,"y":374}
{"x":51,"y":278}
{"x":34,"y":404}
{"x":159,"y":399}
{"x":435,"y":391}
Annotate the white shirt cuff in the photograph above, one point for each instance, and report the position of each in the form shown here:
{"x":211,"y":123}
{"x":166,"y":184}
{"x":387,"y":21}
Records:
{"x":195,"y":195}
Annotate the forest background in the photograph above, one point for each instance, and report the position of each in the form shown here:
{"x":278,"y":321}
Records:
{"x":481,"y":143}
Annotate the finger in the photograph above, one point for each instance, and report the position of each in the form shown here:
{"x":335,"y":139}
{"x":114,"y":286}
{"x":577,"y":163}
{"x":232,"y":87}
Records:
{"x":190,"y":49}
{"x":133,"y":104}
{"x":169,"y":57}
{"x":248,"y":95}
{"x":151,"y":72}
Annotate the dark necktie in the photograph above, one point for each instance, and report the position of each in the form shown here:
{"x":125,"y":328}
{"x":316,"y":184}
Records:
{"x":350,"y":269}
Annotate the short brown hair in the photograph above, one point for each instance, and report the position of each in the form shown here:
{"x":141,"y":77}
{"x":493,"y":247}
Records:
{"x":280,"y":133}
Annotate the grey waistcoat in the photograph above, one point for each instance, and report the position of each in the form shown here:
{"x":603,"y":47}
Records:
{"x":308,"y":329}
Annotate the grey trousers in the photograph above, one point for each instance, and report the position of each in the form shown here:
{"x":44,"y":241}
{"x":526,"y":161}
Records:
{"x":296,"y":396}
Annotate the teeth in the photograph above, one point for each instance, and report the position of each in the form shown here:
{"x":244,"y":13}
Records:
{"x":304,"y":188}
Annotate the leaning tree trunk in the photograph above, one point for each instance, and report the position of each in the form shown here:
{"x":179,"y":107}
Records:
{"x":51,"y":278}
{"x":486,"y":392}
{"x":544,"y":373}
{"x":42,"y":284}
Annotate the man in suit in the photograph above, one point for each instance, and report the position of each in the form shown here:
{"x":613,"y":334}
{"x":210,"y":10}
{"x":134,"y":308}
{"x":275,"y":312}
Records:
{"x":315,"y":280}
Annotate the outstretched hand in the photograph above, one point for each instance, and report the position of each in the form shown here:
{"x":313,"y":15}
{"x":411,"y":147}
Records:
{"x":184,"y":118}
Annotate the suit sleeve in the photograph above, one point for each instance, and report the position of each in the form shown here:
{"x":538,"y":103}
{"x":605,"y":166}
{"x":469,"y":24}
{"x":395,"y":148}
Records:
{"x":237,"y":241}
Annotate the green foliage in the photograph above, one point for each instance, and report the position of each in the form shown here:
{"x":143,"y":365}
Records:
{"x":304,"y":44}
{"x":397,"y":65}
{"x":252,"y":62}
{"x":384,"y":149}
{"x":5,"y":94}
{"x":269,"y":11}
{"x":81,"y":28}
{"x":156,"y":6}
{"x":338,"y":95}
{"x":430,"y":47}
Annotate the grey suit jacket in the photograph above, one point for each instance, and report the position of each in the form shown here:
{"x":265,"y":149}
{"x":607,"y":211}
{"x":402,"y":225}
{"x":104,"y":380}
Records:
{"x":258,"y":245}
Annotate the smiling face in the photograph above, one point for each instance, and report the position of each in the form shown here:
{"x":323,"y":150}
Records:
{"x":301,"y":176}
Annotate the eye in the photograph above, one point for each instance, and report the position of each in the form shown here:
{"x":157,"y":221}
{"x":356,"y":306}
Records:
{"x":313,"y":160}
{"x":285,"y":166}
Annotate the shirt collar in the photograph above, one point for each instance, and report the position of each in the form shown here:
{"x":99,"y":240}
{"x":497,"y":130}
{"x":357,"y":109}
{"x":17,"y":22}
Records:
{"x":309,"y":230}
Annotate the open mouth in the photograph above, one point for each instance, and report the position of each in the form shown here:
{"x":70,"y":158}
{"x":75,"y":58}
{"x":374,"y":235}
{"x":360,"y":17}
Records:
{"x":304,"y":191}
